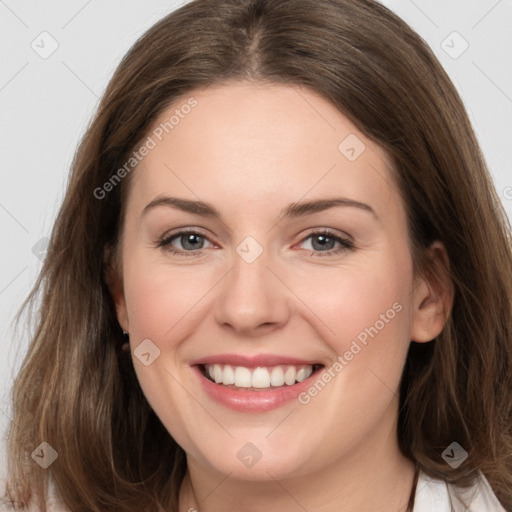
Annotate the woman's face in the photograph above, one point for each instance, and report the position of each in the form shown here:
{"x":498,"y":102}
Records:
{"x":296,"y":260}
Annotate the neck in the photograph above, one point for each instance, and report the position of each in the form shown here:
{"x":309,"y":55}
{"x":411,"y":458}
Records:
{"x":374,"y":477}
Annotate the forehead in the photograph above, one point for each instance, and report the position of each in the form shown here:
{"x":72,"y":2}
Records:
{"x":241,"y":143}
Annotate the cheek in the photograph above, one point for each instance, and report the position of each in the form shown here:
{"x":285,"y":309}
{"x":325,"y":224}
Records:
{"x":359,"y":303}
{"x":163,"y":305}
{"x":342,"y":303}
{"x":366,"y":311}
{"x":162,"y":300}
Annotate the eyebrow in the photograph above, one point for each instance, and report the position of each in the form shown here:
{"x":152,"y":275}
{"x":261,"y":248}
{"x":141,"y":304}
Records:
{"x":293,"y":210}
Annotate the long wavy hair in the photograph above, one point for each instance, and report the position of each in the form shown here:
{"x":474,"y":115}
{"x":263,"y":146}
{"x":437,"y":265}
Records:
{"x":77,"y":389}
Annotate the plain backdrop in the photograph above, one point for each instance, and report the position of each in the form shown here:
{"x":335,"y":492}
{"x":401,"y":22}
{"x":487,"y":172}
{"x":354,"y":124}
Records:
{"x":56,"y":59}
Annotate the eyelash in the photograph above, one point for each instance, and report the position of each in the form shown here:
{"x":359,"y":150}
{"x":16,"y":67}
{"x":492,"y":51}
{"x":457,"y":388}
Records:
{"x":346,"y":244}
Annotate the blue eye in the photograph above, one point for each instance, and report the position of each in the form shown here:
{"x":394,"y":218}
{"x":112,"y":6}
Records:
{"x":190,"y":241}
{"x":323,"y":243}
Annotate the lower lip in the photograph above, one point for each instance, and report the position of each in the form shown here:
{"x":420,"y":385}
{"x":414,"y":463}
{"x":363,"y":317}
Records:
{"x":254,"y":401}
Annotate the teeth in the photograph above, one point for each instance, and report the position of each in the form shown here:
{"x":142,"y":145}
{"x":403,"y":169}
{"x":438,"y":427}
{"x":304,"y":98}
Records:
{"x":228,"y":375}
{"x":260,"y":377}
{"x":242,"y":377}
{"x":302,"y":374}
{"x":217,"y":374}
{"x":277,"y":376}
{"x":289,"y":375}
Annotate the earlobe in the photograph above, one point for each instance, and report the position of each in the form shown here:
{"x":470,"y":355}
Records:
{"x":433,"y":297}
{"x":115,"y":284}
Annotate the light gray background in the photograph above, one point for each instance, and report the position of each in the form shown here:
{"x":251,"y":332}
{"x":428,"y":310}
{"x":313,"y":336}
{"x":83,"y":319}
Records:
{"x":46,"y":104}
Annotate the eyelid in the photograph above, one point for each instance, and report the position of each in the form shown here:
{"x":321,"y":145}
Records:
{"x":329,"y":231}
{"x":346,"y":241}
{"x":165,"y":239}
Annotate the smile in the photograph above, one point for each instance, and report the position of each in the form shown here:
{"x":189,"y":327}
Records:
{"x":254,"y":384}
{"x":255,"y":379}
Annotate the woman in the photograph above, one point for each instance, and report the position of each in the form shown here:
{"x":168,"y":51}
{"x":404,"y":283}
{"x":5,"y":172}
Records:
{"x":280,"y":279}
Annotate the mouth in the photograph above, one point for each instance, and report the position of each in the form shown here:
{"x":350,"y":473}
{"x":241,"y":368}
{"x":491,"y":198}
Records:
{"x":263,"y":384}
{"x":259,"y":378}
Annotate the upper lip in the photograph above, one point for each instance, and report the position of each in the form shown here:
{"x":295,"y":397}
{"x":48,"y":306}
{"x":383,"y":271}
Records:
{"x":252,"y":361}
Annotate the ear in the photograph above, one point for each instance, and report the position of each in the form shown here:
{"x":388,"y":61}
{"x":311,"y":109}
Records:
{"x":114,"y":278}
{"x":433,"y":297}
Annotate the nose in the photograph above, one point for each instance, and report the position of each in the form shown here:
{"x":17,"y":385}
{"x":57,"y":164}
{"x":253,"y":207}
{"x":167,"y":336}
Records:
{"x":253,"y":301}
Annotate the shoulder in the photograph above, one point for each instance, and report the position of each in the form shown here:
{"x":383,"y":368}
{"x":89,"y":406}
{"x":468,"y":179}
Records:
{"x":438,"y":495}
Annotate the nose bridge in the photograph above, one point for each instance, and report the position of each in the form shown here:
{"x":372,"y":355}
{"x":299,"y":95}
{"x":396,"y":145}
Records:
{"x":251,"y":296}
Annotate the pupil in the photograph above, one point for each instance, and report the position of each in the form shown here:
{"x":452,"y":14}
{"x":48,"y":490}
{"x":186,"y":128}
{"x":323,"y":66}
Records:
{"x":324,"y":241}
{"x":189,"y":241}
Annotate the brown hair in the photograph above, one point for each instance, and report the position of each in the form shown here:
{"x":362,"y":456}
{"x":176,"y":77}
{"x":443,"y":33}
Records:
{"x":77,"y":389}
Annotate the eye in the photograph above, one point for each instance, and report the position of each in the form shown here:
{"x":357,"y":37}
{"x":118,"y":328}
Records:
{"x":323,"y":243}
{"x":189,"y":242}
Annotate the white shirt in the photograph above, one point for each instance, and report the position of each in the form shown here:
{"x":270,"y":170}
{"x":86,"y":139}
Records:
{"x":433,"y":495}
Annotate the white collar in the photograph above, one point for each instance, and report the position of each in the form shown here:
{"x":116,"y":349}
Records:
{"x":440,"y":496}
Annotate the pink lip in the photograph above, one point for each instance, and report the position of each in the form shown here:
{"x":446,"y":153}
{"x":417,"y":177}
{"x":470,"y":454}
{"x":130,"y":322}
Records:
{"x":252,"y":361}
{"x":253,"y":401}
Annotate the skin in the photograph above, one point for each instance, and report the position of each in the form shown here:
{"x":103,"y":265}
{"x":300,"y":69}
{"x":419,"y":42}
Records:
{"x":250,"y":150}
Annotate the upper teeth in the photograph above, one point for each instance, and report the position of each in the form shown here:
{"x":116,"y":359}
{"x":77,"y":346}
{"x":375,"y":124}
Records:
{"x":259,"y":377}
